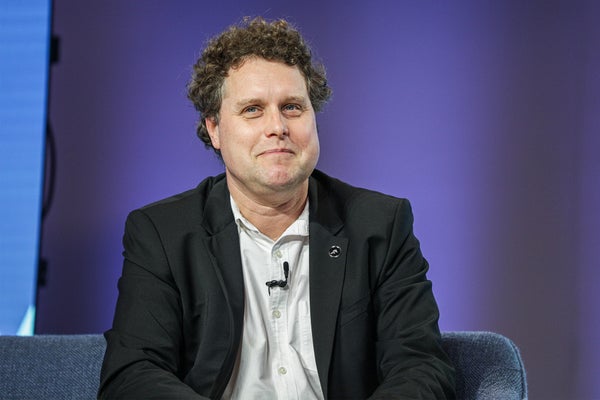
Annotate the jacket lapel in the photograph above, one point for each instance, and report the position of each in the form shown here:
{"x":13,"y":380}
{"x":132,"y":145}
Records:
{"x":327,"y":269}
{"x":222,"y":243}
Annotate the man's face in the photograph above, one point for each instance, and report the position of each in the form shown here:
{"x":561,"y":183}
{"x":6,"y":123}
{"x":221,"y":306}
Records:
{"x":267,"y":131}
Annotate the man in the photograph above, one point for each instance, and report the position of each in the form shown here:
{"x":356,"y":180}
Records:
{"x":272,"y":281}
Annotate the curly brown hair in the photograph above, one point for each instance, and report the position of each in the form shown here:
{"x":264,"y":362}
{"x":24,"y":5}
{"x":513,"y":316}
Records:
{"x":274,"y":41}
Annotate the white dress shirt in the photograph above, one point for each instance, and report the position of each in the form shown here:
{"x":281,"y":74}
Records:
{"x":277,"y":359}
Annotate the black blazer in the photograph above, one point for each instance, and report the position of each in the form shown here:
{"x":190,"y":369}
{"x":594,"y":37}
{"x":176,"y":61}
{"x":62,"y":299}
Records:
{"x":179,"y":315}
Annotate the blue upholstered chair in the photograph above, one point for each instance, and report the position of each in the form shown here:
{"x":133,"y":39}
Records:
{"x":59,"y":367}
{"x":488,"y":366}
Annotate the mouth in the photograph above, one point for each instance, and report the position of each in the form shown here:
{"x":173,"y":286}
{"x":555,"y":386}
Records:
{"x":276,"y":151}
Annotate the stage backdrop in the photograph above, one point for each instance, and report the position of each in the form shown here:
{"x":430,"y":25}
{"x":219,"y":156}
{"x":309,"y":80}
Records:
{"x":484,"y":114}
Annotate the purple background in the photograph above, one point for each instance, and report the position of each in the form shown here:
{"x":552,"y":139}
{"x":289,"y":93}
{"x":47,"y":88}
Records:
{"x":484,"y":114}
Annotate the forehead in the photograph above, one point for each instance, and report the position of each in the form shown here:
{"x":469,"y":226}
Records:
{"x":257,"y":77}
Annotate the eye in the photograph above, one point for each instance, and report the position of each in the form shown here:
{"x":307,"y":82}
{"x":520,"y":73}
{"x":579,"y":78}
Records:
{"x":251,"y":111}
{"x":292,"y":109}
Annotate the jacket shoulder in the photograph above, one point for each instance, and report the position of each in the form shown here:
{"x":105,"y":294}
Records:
{"x":185,"y":208}
{"x":353,"y":200}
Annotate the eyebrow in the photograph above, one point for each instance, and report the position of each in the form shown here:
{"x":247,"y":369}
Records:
{"x":297,"y":99}
{"x":244,"y":102}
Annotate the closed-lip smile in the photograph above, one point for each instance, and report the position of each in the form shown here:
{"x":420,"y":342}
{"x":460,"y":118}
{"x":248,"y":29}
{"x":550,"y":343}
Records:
{"x":278,"y":150}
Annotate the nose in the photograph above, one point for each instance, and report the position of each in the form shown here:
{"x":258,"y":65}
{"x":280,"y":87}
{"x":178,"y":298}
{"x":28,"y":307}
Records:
{"x":276,"y":124}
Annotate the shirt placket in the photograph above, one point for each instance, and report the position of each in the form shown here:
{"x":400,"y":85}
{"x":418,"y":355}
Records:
{"x":279,"y":316}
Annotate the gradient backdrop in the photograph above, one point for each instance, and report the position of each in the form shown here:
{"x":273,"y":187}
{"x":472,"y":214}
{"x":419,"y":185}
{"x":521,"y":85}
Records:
{"x":486,"y":115}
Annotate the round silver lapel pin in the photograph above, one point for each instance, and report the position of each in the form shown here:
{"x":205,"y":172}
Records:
{"x":335,"y":251}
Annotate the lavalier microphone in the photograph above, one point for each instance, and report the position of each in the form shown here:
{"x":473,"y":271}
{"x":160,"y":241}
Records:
{"x":280,"y":283}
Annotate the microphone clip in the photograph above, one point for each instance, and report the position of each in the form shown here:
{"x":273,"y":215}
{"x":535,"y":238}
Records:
{"x":280,"y":283}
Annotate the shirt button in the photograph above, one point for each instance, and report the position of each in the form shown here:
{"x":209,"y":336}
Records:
{"x":282,"y":371}
{"x":276,"y":314}
{"x":278,"y":254}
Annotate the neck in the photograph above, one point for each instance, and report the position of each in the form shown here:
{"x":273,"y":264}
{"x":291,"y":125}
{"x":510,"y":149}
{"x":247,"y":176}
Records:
{"x":272,"y":215}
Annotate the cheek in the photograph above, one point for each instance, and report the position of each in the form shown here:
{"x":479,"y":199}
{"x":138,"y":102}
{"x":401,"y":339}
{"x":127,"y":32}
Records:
{"x":316,"y":148}
{"x":311,"y":139}
{"x":236,"y":141}
{"x":310,"y":147}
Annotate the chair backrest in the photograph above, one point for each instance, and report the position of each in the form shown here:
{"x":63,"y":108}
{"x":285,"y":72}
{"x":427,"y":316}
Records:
{"x":50,"y":366}
{"x":488,"y":366}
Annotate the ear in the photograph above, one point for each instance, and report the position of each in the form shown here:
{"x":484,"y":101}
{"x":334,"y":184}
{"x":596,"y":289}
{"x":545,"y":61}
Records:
{"x":213,"y":131}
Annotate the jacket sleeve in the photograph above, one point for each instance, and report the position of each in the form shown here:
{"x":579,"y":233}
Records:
{"x":410,"y":359}
{"x":144,"y":347}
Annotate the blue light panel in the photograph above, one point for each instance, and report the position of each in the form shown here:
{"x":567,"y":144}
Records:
{"x":24,"y":60}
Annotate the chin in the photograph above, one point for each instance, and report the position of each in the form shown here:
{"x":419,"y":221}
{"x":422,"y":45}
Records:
{"x":286,"y":179}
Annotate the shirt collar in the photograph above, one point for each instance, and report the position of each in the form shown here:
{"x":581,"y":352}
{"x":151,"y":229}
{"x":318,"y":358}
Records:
{"x":298,"y":228}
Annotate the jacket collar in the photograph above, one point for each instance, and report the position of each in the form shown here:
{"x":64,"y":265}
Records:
{"x":324,"y":209}
{"x":217,"y":213}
